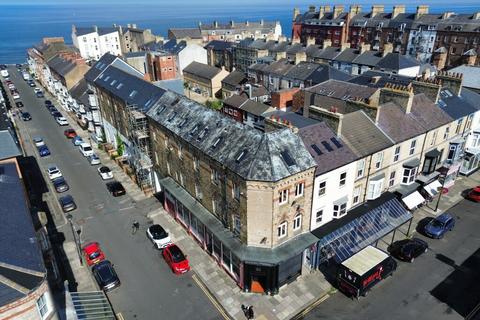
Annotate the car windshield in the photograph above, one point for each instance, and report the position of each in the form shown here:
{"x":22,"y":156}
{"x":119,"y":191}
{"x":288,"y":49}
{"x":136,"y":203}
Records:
{"x":59,"y":181}
{"x":437,"y":224}
{"x":94,"y":255}
{"x":106,"y":273}
{"x":87,"y":148}
{"x":158,"y":232}
{"x":476,"y":193}
{"x":177,"y":255}
{"x":104,"y":170}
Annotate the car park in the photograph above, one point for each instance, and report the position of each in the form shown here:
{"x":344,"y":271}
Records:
{"x":175,"y":259}
{"x":158,"y":236}
{"x":38,"y":141}
{"x":105,"y":275}
{"x":19,"y":104}
{"x":94,"y":159}
{"x":116,"y":188}
{"x":77,"y":140}
{"x":85,"y":149}
{"x":93,"y":253}
{"x":70,"y":133}
{"x":408,"y":249}
{"x":437,"y":227}
{"x":105,"y":173}
{"x":61,"y":121}
{"x":67,"y":203}
{"x":43,"y":151}
{"x":54,"y":172}
{"x":25,"y":116}
{"x":60,"y":185}
{"x":474,"y":194}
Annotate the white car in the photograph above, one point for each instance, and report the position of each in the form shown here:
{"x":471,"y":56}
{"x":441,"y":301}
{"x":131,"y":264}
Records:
{"x":11,"y":86}
{"x":159,"y":236}
{"x":94,"y":159}
{"x":38,"y":142}
{"x":85,"y":149}
{"x":61,"y":121}
{"x":53,"y":172}
{"x":105,"y":173}
{"x":37,"y":89}
{"x":16,"y":96}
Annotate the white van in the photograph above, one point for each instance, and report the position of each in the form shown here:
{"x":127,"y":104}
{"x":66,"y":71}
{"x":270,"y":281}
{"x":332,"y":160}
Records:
{"x":4,"y":73}
{"x":26,"y":76}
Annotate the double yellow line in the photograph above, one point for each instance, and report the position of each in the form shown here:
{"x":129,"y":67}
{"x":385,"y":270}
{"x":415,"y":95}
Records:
{"x":304,"y":312}
{"x":210,"y":297}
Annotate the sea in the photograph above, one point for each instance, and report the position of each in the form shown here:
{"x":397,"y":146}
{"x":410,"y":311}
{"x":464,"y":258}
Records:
{"x":23,"y":24}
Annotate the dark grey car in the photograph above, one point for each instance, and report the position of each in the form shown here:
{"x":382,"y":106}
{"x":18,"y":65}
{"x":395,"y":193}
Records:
{"x":105,"y":275}
{"x":67,"y":203}
{"x":60,"y":185}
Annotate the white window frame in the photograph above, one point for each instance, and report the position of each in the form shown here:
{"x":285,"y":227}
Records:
{"x":319,"y":216}
{"x":396,"y":155}
{"x":214,"y":206}
{"x":297,"y":222}
{"x":409,"y":175}
{"x":322,"y":190}
{"x":343,"y":179}
{"x":413,"y":146}
{"x":339,"y":210}
{"x":374,"y":189}
{"x":42,"y":305}
{"x":356,"y":194}
{"x":476,"y":140}
{"x":182,"y":181}
{"x":360,"y":168}
{"x":434,"y":138}
{"x":283,"y":196}
{"x":447,"y":133}
{"x":299,"y":189}
{"x":379,"y":160}
{"x":282,"y":230}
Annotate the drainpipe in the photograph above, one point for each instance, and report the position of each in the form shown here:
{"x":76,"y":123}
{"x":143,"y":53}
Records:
{"x":368,"y":176}
{"x":249,"y":90}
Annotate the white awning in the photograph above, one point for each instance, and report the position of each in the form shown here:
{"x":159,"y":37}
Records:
{"x":413,"y":200}
{"x":433,"y":187}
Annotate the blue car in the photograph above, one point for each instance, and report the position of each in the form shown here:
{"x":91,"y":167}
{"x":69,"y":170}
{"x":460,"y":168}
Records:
{"x":439,"y":226}
{"x":43,"y":151}
{"x":77,"y":141}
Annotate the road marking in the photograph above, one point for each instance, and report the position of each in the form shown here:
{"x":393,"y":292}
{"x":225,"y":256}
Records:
{"x":311,"y":307}
{"x":210,"y":297}
{"x":120,"y":316}
{"x":126,"y":208}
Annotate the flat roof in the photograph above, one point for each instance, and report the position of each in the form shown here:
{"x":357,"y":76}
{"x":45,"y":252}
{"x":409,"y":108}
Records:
{"x":365,"y":260}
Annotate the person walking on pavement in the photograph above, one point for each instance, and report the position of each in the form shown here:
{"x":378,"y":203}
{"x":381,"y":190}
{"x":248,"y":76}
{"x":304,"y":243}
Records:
{"x":135,"y":226}
{"x":248,"y":312}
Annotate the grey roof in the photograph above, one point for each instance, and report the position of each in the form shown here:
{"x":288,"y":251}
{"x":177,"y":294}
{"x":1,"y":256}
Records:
{"x":381,"y":78}
{"x":426,"y":114}
{"x":342,"y":90}
{"x":20,"y":254}
{"x":397,"y":124}
{"x":235,"y":101}
{"x":135,"y":54}
{"x":202,"y":70}
{"x":175,"y":85}
{"x":79,"y":92}
{"x":455,"y":106}
{"x":362,"y":135}
{"x":257,"y":91}
{"x":316,"y":73}
{"x":256,"y":108}
{"x":264,"y":154}
{"x":100,"y":30}
{"x":472,"y":97}
{"x":61,"y":66}
{"x":131,"y":89}
{"x":99,"y":66}
{"x":471,"y":75}
{"x":280,"y":67}
{"x":49,"y":50}
{"x":368,"y":58}
{"x":315,"y":137}
{"x":261,"y":44}
{"x":173,"y":46}
{"x":328,"y":53}
{"x":397,"y":61}
{"x":180,"y":33}
{"x":235,"y":78}
{"x":262,"y":25}
{"x":295,"y":119}
{"x":218,"y":45}
{"x":295,"y":48}
{"x":347,"y":55}
{"x":9,"y":148}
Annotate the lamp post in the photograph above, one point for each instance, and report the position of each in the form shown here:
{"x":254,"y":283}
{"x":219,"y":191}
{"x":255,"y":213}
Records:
{"x":75,"y":233}
{"x":441,"y":192}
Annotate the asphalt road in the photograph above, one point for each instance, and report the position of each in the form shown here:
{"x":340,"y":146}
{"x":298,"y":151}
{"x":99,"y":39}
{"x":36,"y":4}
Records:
{"x":149,"y":289}
{"x":444,"y":283}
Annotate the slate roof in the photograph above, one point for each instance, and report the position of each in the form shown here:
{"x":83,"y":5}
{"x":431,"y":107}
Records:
{"x":218,"y":45}
{"x":266,"y":25}
{"x":471,"y":75}
{"x":202,"y":70}
{"x":396,"y":61}
{"x":235,"y":78}
{"x":50,"y":50}
{"x":264,"y":157}
{"x":368,"y":58}
{"x":426,"y":114}
{"x":471,"y":97}
{"x":257,"y":91}
{"x":180,"y":33}
{"x":316,"y":73}
{"x":129,"y":88}
{"x":362,"y":135}
{"x":9,"y":147}
{"x":81,"y":31}
{"x":366,"y":79}
{"x":99,"y":66}
{"x":342,"y":90}
{"x":314,"y":137}
{"x":79,"y":92}
{"x":455,"y":106}
{"x":61,"y":66}
{"x":21,"y":258}
{"x":295,"y":119}
{"x":235,"y":101}
{"x":347,"y":55}
{"x":280,"y":67}
{"x":328,"y":53}
{"x":256,"y":108}
{"x":173,"y":46}
{"x":397,"y":124}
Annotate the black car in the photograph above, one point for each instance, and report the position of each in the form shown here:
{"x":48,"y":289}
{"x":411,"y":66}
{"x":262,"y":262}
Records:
{"x":408,"y":249}
{"x":48,"y":103}
{"x":56,"y":114}
{"x":67,"y":203}
{"x":53,"y":110}
{"x":19,"y":104}
{"x":105,"y":275}
{"x":39,"y":94}
{"x":116,"y":188}
{"x":26,"y":116}
{"x":31,"y":83}
{"x":60,"y":185}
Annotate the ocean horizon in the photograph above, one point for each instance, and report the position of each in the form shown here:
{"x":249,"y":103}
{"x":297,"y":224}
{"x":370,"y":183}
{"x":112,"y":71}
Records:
{"x":24,"y":25}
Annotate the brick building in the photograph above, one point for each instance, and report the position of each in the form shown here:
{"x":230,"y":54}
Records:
{"x":161,"y":65}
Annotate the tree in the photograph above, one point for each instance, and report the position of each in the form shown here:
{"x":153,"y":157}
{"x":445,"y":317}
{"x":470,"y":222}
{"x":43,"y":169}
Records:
{"x":214,"y":104}
{"x":186,"y":86}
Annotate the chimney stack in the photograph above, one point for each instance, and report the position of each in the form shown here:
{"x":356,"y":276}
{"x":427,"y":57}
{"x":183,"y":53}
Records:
{"x":331,"y":117}
{"x":476,"y":16}
{"x":440,"y":58}
{"x":327,"y":43}
{"x":337,"y":10}
{"x":387,"y":48}
{"x":421,"y":10}
{"x":447,"y":15}
{"x":398,"y":9}
{"x":376,"y":9}
{"x":398,"y":94}
{"x":355,"y":9}
{"x":344,"y":45}
{"x":470,"y":57}
{"x":321,"y":11}
{"x":134,"y":25}
{"x":261,"y":22}
{"x":327,"y":8}
{"x":95,"y":28}
{"x":364,"y":47}
{"x":247,"y":23}
{"x":310,"y":41}
{"x":311,"y":9}
{"x":215,"y":24}
{"x":429,"y":87}
{"x":296,"y":13}
{"x":232,"y":23}
{"x":451,"y":80}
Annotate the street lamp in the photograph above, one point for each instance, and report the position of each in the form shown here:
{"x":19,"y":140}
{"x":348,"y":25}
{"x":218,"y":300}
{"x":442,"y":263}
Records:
{"x":75,"y":233}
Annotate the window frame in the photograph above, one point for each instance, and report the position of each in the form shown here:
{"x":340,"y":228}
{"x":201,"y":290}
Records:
{"x":301,"y":186}
{"x":379,"y":160}
{"x":235,"y":191}
{"x":322,"y":190}
{"x":391,"y":179}
{"x":360,"y":168}
{"x":413,"y":146}
{"x":297,"y":222}
{"x":317,"y":216}
{"x":42,"y":305}
{"x":356,"y":197}
{"x":396,"y":155}
{"x":343,"y":180}
{"x":339,"y":210}
{"x":283,"y":197}
{"x":215,"y":176}
{"x":282,"y":230}
{"x":408,"y":179}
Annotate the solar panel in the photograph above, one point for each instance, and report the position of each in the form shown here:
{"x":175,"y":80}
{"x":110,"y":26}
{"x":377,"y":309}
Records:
{"x":336,"y":142}
{"x":316,"y":149}
{"x":287,"y":158}
{"x":327,"y":146}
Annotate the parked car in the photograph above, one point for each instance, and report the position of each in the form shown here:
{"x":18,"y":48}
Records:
{"x":26,"y":116}
{"x":474,"y":194}
{"x":48,"y":103}
{"x":43,"y":151}
{"x":31,"y":83}
{"x":70,"y":133}
{"x":408,"y":249}
{"x":93,"y":253}
{"x":175,"y":259}
{"x":54,"y":172}
{"x":116,"y":188}
{"x":19,"y":104}
{"x":60,"y":185}
{"x":61,"y":121}
{"x":94,"y":159}
{"x":15,"y":95}
{"x":437,"y":227}
{"x":105,"y":173}
{"x":38,"y":141}
{"x":39,"y":94}
{"x":37,"y":89}
{"x":77,"y":140}
{"x":67,"y":203}
{"x":158,"y":236}
{"x":11,"y":86}
{"x":105,"y":275}
{"x":53,"y":110}
{"x":56,"y":114}
{"x":85,"y":149}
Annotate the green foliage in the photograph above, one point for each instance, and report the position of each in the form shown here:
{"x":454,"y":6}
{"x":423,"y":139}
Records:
{"x":120,"y":145}
{"x":215,"y":104}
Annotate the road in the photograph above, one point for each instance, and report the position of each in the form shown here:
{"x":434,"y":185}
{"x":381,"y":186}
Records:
{"x":421,"y":290}
{"x":149,"y":289}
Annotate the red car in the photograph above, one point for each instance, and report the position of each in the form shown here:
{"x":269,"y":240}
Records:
{"x":474,"y":194}
{"x":93,"y":253}
{"x":70,"y":133}
{"x":176,"y":259}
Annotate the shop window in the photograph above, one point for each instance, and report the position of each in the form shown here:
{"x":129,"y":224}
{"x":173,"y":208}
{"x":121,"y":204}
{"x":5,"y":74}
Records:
{"x":339,"y":210}
{"x":282,"y":230}
{"x":413,"y":144}
{"x":343,"y":179}
{"x":409,"y":175}
{"x":319,"y":216}
{"x":391,"y":181}
{"x":299,"y":189}
{"x":396,"y":156}
{"x":360,"y":168}
{"x":356,"y":195}
{"x":297,"y":222}
{"x":283,"y":196}
{"x":322,"y":186}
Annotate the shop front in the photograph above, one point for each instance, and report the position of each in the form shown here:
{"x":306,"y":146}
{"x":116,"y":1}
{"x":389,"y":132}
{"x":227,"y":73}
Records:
{"x":471,"y":161}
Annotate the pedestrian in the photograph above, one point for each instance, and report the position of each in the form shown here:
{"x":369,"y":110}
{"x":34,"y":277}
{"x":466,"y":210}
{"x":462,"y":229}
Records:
{"x":250,"y":315}
{"x":135,"y":226}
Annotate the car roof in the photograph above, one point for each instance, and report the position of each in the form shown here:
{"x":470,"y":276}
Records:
{"x":91,"y":247}
{"x":52,"y":166}
{"x":156,"y":227}
{"x":37,"y":138}
{"x":444,"y":217}
{"x":85,"y":144}
{"x":66,"y":197}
